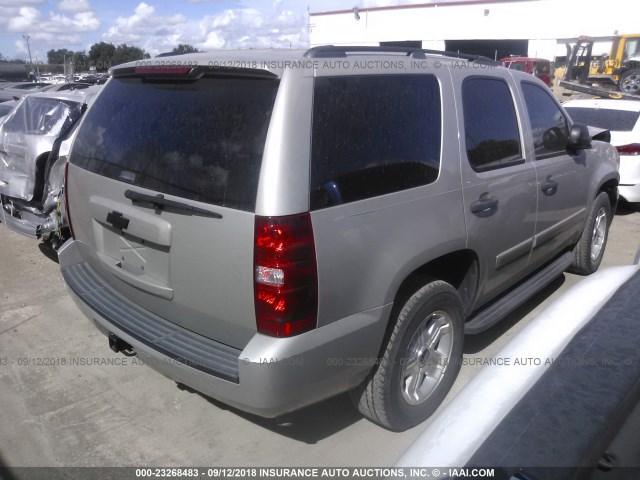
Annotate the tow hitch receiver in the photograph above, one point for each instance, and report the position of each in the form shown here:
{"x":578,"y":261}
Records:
{"x":120,"y":346}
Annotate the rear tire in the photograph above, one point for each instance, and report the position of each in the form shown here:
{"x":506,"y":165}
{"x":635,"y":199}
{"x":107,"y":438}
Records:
{"x":630,"y":81}
{"x":421,"y":360}
{"x":589,"y":251}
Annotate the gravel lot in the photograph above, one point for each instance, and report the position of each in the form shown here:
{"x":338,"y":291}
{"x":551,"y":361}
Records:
{"x":62,"y":406}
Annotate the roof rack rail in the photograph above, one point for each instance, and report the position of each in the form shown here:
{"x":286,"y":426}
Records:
{"x":333,"y":51}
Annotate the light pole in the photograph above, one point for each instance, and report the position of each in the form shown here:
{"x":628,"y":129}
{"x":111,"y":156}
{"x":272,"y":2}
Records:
{"x":26,"y":37}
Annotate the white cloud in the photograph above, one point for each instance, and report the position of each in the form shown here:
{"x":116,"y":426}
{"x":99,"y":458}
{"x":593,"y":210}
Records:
{"x":56,"y":40}
{"x":144,"y":23}
{"x":19,"y":3}
{"x":212,"y":41}
{"x":236,"y":2}
{"x":253,"y":28}
{"x":80,"y":22}
{"x":245,"y":17}
{"x":41,"y":42}
{"x":74,"y":6}
{"x":29,"y":20}
{"x":235,"y":24}
{"x":21,"y":47}
{"x":289,"y":19}
{"x":26,"y":18}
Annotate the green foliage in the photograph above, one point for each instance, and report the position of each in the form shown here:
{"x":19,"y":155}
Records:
{"x":58,"y":57}
{"x":81,"y":62}
{"x":101,"y":55}
{"x":125,"y":53}
{"x":106,"y":55}
{"x":185,"y":48}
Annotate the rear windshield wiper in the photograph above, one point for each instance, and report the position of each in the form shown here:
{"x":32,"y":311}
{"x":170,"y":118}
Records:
{"x":159,"y":202}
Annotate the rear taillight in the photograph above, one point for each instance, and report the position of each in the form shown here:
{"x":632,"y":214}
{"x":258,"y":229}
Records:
{"x":285,"y":275}
{"x":66,"y":198}
{"x":630,"y":149}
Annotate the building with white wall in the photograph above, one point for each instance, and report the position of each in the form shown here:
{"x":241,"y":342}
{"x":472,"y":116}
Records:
{"x":494,"y":28}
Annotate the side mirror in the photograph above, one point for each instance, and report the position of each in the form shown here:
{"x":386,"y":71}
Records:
{"x":579,"y":137}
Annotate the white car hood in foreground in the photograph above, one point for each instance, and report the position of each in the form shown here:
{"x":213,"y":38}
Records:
{"x":459,"y":429}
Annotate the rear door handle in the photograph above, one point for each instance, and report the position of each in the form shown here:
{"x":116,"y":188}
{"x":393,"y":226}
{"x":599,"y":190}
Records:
{"x":549,"y":187}
{"x":484,"y":206}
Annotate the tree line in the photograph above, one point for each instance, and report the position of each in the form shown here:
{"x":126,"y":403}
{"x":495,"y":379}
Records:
{"x":4,"y":59}
{"x":104,"y":55}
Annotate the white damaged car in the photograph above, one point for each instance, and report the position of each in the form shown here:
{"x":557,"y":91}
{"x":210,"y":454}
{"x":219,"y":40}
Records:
{"x":34,"y":140}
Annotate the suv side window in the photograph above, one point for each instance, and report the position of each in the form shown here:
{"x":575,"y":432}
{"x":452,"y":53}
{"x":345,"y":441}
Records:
{"x":373,"y":135}
{"x":491,"y":128}
{"x":549,"y":125}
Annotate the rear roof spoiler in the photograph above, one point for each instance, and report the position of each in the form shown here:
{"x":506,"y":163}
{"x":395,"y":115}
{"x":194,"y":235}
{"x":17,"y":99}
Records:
{"x":152,"y":70}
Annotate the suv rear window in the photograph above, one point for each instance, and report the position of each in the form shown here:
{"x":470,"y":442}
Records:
{"x":373,"y":135}
{"x":199,"y":140}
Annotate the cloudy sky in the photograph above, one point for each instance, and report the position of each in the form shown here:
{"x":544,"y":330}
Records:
{"x":159,"y":25}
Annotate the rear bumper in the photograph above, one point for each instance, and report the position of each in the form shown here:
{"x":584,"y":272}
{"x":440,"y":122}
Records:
{"x":269,"y":377}
{"x":29,"y":223}
{"x":27,"y":226}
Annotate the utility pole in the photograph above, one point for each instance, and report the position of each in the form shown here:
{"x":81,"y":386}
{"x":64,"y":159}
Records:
{"x":26,"y":37}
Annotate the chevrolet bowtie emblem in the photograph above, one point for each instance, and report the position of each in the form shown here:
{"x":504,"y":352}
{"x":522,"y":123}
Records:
{"x":117,"y":220}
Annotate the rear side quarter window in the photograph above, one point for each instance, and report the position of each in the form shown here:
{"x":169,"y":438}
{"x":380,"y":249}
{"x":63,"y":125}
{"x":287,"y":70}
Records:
{"x":492,"y":136}
{"x":373,"y":135}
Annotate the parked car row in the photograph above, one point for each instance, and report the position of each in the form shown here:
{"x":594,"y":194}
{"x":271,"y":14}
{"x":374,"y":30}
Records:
{"x":91,"y":78}
{"x":16,"y":91}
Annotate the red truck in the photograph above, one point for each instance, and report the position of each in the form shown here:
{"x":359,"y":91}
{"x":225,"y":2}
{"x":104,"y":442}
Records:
{"x":539,"y":67}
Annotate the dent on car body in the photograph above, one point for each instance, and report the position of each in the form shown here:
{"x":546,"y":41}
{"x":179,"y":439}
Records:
{"x":28,"y":133}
